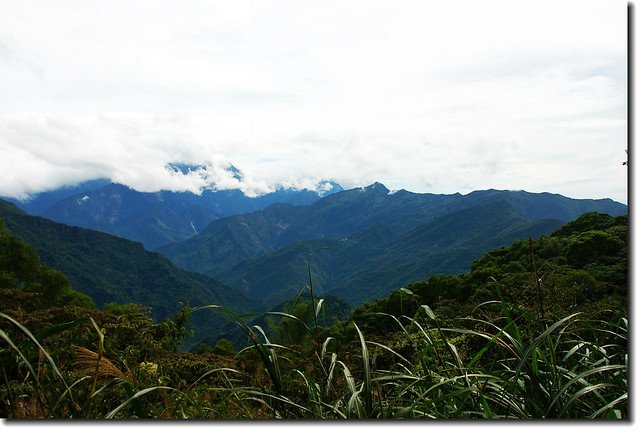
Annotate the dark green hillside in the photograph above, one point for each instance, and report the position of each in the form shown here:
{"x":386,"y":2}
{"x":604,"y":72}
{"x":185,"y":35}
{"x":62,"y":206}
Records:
{"x":343,"y":214}
{"x":580,"y":264}
{"x":233,"y":239}
{"x":539,"y":206}
{"x":111,"y":269}
{"x":22,"y":276}
{"x":448,"y":245}
{"x":281,"y":274}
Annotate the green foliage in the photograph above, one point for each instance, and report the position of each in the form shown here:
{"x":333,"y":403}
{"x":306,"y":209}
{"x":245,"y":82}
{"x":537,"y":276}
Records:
{"x":20,"y":268}
{"x":590,"y":221}
{"x":224,"y":347}
{"x":549,"y":247}
{"x":110,"y":269}
{"x":293,"y":331}
{"x":591,"y":246}
{"x":175,"y":329}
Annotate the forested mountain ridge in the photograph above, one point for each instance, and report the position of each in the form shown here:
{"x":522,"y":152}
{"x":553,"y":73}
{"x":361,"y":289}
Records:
{"x":376,"y":260}
{"x":112,"y":269}
{"x":378,"y":238}
{"x":345,"y":213}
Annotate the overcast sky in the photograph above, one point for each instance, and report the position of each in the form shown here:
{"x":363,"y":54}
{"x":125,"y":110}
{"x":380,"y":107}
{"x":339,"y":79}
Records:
{"x":428,"y":96}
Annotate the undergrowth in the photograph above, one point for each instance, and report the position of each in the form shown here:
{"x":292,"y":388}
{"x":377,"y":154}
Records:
{"x":513,"y":365}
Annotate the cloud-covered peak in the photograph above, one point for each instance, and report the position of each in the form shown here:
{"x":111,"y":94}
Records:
{"x":216,"y":175}
{"x":147,"y":153}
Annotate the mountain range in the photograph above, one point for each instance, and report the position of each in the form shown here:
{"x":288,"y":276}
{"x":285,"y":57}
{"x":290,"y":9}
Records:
{"x":362,"y":243}
{"x":154,"y":219}
{"x":222,"y":247}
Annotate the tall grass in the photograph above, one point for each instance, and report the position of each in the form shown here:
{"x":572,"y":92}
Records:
{"x":572,"y":368}
{"x":514,"y":367}
{"x":43,"y":390}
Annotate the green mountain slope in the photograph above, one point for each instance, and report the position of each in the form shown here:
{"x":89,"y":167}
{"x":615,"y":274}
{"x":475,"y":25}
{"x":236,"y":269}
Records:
{"x":25,"y":281}
{"x":378,"y":239}
{"x":447,"y":245}
{"x":112,"y":269}
{"x":231,"y":240}
{"x":378,"y":259}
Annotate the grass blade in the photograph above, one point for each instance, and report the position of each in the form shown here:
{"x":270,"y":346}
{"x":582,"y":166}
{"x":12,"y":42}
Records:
{"x":138,"y":394}
{"x":610,"y":405}
{"x":368,"y":402}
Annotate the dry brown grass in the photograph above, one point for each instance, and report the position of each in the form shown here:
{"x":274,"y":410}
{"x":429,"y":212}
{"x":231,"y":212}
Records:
{"x":87,"y":361}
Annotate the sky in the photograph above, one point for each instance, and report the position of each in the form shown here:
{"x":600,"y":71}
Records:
{"x":427,"y":96}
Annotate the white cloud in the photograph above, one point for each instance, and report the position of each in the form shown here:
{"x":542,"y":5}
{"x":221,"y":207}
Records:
{"x":426,"y":96}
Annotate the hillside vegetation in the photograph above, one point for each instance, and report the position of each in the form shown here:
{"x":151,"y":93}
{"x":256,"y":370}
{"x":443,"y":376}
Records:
{"x":110,"y":269}
{"x":22,"y":274}
{"x":537,"y":329}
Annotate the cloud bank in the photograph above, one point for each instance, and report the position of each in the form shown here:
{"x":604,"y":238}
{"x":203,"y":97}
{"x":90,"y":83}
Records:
{"x":424,"y":96}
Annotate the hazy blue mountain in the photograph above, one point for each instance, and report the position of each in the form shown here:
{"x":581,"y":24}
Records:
{"x":40,"y":202}
{"x":230,"y":202}
{"x":379,"y":239}
{"x":154,"y":219}
{"x":112,"y":269}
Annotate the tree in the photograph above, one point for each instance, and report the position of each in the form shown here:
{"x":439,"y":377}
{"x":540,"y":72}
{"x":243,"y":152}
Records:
{"x":591,"y":246}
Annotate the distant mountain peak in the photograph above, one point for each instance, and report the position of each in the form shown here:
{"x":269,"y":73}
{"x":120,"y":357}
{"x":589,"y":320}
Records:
{"x":237,"y":173}
{"x":377,"y":187}
{"x":211,"y":174}
{"x":326,"y":187}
